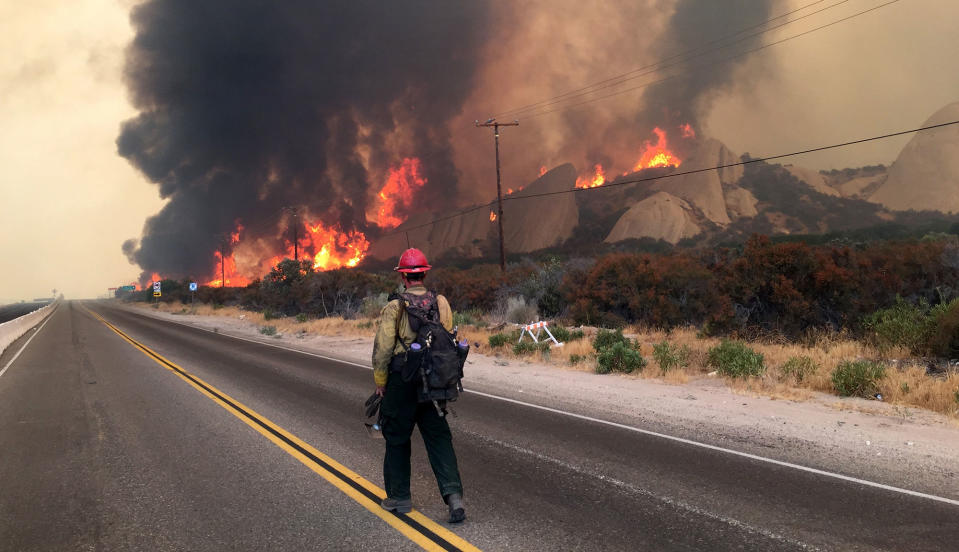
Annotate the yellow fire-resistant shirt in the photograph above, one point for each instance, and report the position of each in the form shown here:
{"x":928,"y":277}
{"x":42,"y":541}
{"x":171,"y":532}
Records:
{"x":394,"y":326}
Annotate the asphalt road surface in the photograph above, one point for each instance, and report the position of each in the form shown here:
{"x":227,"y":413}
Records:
{"x":16,"y":310}
{"x":174,"y":438}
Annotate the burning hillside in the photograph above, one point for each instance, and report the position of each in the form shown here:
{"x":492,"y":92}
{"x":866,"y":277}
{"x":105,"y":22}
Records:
{"x":353,"y":115}
{"x":653,"y":155}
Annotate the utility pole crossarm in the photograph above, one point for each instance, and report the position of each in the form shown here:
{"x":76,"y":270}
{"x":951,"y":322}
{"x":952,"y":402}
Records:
{"x":499,"y":192}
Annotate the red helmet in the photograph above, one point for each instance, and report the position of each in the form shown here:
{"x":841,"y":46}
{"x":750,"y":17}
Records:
{"x":413,"y":260}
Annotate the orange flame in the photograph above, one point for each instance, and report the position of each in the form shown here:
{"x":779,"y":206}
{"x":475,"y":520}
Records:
{"x":598,"y":179}
{"x":656,"y":155}
{"x":492,"y":216}
{"x":687,"y":131}
{"x":542,"y":170}
{"x":331,"y":247}
{"x":397,"y":194}
{"x":227,"y":268}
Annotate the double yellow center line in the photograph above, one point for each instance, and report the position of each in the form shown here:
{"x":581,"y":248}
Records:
{"x":415,"y":526}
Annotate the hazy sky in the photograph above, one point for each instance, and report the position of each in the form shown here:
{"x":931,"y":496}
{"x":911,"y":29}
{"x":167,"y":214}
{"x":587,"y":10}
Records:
{"x":67,"y":200}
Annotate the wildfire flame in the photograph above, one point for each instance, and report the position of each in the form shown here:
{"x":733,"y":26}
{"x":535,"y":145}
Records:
{"x":656,"y":155}
{"x":653,"y":155}
{"x":492,"y":216}
{"x":226,"y":267}
{"x":334,"y":248}
{"x":325,"y":247}
{"x":542,"y":170}
{"x":598,"y":179}
{"x":398,"y":192}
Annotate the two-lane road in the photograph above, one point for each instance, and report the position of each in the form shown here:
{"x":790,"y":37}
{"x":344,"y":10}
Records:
{"x":103,"y":446}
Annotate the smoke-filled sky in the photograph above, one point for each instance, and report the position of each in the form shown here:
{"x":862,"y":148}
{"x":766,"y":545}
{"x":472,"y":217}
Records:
{"x":165,"y":122}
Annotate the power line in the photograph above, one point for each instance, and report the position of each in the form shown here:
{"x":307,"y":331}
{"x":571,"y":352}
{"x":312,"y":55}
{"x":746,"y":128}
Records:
{"x":646,"y":69}
{"x":734,"y":56}
{"x":682,"y":173}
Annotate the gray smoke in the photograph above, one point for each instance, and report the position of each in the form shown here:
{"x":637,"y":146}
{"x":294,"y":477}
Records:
{"x":247,"y":106}
{"x":708,"y":71}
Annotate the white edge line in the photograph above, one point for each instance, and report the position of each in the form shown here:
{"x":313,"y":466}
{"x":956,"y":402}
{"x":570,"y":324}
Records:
{"x":16,"y":356}
{"x":782,"y":463}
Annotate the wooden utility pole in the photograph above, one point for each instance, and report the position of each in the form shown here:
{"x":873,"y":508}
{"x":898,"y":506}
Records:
{"x":224,"y":240}
{"x":296,"y":237}
{"x":499,"y":189}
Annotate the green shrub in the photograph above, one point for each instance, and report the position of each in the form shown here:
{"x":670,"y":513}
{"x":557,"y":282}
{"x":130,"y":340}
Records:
{"x":901,"y":325}
{"x":365,"y":325}
{"x":619,"y":357}
{"x":575,"y":359}
{"x":472,"y":317}
{"x":529,"y":347}
{"x":269,"y":314}
{"x":372,"y":305}
{"x":944,"y":330}
{"x":669,"y":357}
{"x":564,"y":335}
{"x":607,"y":338}
{"x":268,"y":330}
{"x":799,"y":368}
{"x":732,"y":358}
{"x":499,"y":340}
{"x":857,"y":378}
{"x":301,"y":318}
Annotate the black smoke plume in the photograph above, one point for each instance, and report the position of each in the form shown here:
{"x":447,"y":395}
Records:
{"x":249,"y":106}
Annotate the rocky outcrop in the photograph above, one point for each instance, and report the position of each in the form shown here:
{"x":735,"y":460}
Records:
{"x":925,"y":176}
{"x":704,"y":190}
{"x":661,"y":216}
{"x":861,"y":187}
{"x":813,"y":179}
{"x":740,"y":203}
{"x":528,"y":224}
{"x":540,"y":222}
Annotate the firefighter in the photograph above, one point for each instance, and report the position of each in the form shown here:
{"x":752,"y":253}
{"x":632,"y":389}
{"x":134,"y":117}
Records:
{"x":400,"y":409}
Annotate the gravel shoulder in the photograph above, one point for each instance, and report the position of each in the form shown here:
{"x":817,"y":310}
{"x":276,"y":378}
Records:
{"x":903,"y":447}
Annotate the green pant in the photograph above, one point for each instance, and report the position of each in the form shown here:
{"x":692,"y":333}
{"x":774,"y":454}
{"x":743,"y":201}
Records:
{"x":400,"y":411}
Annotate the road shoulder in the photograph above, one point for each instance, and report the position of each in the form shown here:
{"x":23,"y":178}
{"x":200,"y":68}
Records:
{"x":866,"y":439}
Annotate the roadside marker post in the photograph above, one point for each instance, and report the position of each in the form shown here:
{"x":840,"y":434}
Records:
{"x":540,"y":327}
{"x":192,"y":295}
{"x":156,"y":292}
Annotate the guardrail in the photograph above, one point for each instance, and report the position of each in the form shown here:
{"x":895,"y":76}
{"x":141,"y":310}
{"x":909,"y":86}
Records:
{"x":11,"y":330}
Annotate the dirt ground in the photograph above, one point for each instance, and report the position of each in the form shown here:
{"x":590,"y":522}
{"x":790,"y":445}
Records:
{"x":895,"y":445}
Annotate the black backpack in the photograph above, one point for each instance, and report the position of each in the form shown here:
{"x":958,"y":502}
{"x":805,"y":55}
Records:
{"x":438,"y":364}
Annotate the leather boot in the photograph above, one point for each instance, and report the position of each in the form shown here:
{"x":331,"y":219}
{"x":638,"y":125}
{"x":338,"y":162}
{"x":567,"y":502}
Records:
{"x":398,"y":506}
{"x":457,"y":510}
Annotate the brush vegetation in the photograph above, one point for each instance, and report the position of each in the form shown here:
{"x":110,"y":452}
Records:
{"x":774,"y":317}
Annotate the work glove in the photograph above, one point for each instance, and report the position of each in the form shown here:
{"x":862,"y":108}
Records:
{"x":373,"y":405}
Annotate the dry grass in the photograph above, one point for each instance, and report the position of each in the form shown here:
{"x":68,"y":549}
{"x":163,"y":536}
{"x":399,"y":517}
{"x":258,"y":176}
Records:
{"x":331,"y":326}
{"x":905,"y":385}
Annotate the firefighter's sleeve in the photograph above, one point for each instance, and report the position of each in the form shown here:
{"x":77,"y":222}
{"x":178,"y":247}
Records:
{"x":446,"y":313}
{"x":385,"y":342}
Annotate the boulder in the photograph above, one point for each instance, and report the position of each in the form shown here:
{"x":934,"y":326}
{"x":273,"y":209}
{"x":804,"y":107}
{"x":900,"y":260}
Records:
{"x":704,"y":190}
{"x":813,"y":179}
{"x":740,"y":203}
{"x":661,"y":216}
{"x":528,"y":224}
{"x":540,"y":222}
{"x":925,"y":176}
